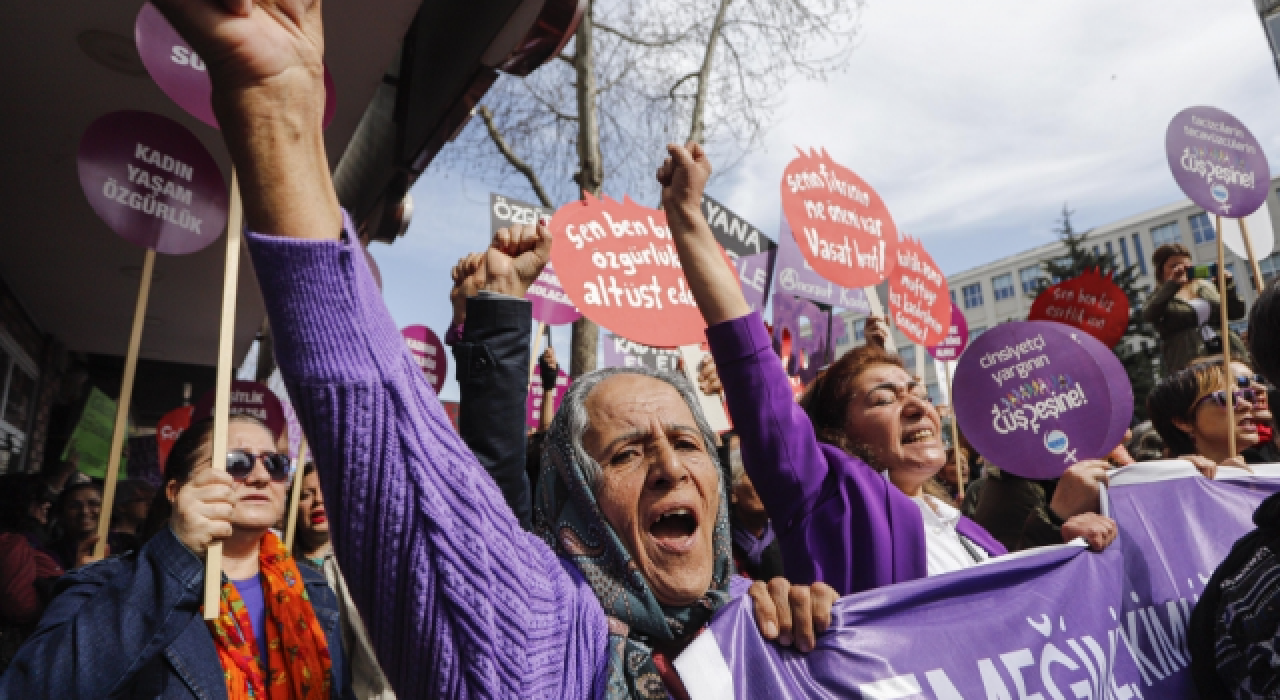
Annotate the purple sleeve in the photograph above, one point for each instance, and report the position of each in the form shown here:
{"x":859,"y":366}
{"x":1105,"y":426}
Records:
{"x":458,"y":600}
{"x":779,"y":449}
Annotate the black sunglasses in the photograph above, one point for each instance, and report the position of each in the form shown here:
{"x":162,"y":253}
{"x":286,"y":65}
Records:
{"x":1255,"y":380}
{"x":240,"y":464}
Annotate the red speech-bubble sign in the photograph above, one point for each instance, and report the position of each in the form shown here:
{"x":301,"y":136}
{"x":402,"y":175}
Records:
{"x":247,"y":398}
{"x":842,"y":226}
{"x":918,"y":297}
{"x":618,"y":265}
{"x":169,"y":429}
{"x":1091,"y":302}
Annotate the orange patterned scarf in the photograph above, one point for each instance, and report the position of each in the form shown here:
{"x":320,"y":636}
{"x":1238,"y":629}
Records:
{"x":297,"y":653}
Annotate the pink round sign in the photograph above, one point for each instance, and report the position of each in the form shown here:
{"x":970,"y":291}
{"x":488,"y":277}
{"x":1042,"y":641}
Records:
{"x":247,"y":398}
{"x":957,"y":338}
{"x":533,"y":404}
{"x":428,"y":352}
{"x":152,"y":182}
{"x":181,"y":73}
{"x":550,"y":304}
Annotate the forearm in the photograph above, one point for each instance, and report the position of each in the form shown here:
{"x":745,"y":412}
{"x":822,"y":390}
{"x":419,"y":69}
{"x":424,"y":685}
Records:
{"x":713,"y":282}
{"x":548,"y":410}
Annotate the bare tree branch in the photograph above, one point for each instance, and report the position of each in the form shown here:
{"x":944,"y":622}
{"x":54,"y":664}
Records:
{"x":650,"y":43}
{"x":516,"y":161}
{"x":704,"y":74}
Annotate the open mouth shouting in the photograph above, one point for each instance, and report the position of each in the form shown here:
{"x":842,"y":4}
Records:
{"x":675,"y":529}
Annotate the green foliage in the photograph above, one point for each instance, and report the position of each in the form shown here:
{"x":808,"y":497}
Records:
{"x":1080,"y":257}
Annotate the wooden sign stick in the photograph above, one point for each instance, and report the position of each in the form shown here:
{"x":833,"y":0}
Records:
{"x":295,"y":493}
{"x":122,"y":406}
{"x":537,"y":348}
{"x":1229,"y":376}
{"x":1253,"y":259}
{"x":222,"y":387}
{"x":955,"y":431}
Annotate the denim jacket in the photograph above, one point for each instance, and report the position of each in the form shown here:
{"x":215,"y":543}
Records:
{"x":130,"y":627}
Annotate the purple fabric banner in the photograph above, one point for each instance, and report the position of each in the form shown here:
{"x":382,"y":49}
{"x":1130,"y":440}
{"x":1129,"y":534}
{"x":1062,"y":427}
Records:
{"x":1050,"y":624}
{"x":795,"y":277}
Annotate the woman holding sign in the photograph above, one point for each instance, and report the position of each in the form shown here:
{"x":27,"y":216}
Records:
{"x":1188,"y":409}
{"x":1186,"y":309}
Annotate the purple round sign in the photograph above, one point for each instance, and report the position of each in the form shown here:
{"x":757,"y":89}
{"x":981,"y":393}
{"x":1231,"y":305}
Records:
{"x":152,"y":182}
{"x":533,"y":404}
{"x":550,"y":304}
{"x":1217,"y":162}
{"x":428,"y":352}
{"x":957,"y":338}
{"x":182,"y":74}
{"x":1033,"y":399}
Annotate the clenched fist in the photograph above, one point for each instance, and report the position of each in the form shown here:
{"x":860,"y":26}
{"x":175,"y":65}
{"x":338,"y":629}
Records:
{"x":683,"y":177}
{"x":202,"y":509}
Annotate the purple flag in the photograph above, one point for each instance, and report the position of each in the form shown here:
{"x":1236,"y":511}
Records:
{"x":795,"y":277}
{"x":1058,"y":622}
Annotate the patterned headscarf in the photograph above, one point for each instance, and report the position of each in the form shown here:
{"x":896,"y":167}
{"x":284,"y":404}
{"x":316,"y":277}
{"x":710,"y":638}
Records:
{"x":567,"y":516}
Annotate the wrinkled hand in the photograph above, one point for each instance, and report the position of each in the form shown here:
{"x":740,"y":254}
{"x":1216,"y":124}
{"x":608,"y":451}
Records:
{"x":792,"y":614}
{"x":84,"y":552}
{"x":202,"y":510}
{"x":465,"y":284}
{"x":1204,"y":465}
{"x":876,"y":332}
{"x":708,"y":376}
{"x":515,"y":258}
{"x":1078,"y":489}
{"x":683,"y":177}
{"x":1098,"y":530}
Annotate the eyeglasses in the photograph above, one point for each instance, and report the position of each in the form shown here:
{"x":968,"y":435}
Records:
{"x":240,"y":464}
{"x":1220,"y":398}
{"x":1256,"y":380}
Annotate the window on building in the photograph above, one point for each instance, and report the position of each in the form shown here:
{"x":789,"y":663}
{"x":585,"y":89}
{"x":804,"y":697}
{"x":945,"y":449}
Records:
{"x":1270,"y":266}
{"x":953,"y":296}
{"x":17,"y":402}
{"x":1169,"y":233}
{"x":1097,"y":253}
{"x":1124,"y":253}
{"x":975,"y":331}
{"x":1029,"y":278}
{"x":1002,"y":286}
{"x":1137,"y":250}
{"x":908,"y":355}
{"x":972,"y":295}
{"x":1202,"y":228}
{"x":935,"y":395}
{"x":860,"y":330}
{"x":1273,"y":30}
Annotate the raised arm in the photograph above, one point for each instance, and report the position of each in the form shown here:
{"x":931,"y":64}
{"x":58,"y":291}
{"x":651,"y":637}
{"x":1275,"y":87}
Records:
{"x":458,"y":600}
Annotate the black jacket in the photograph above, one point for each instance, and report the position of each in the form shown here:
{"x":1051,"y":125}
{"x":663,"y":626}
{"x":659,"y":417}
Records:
{"x":493,"y":381}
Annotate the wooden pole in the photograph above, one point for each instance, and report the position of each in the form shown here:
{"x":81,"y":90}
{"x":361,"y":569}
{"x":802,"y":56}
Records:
{"x":122,"y":406}
{"x":537,"y":348}
{"x":955,"y":431}
{"x":295,"y":493}
{"x":1253,"y":259}
{"x":222,"y":387}
{"x":1226,"y":337}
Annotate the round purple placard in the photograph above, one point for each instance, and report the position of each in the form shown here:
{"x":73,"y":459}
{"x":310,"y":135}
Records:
{"x":550,"y":304}
{"x":153,"y":182}
{"x":428,"y":352}
{"x":1033,"y":400}
{"x":1217,"y":162}
{"x":957,"y":338}
{"x":1117,"y":383}
{"x":181,"y":73}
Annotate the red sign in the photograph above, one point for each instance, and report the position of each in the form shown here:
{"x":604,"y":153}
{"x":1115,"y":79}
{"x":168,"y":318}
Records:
{"x":1090,"y":302}
{"x":842,"y":226}
{"x":169,"y":429}
{"x":618,"y":265}
{"x":248,"y":398}
{"x":918,"y":297}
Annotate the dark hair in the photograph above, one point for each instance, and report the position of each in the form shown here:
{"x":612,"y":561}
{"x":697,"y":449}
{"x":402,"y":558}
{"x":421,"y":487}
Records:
{"x":18,"y":492}
{"x":1173,"y":397}
{"x":1264,"y":333}
{"x":1162,"y":255}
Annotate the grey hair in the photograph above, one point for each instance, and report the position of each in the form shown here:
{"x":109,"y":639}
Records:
{"x":573,"y":410}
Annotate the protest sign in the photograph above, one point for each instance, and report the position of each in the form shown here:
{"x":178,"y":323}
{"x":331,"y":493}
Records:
{"x":428,"y":352}
{"x":170,"y":427}
{"x":1091,"y":302}
{"x":505,"y":211}
{"x":1217,"y":162}
{"x":533,"y":404}
{"x":90,"y":441}
{"x":182,"y":74}
{"x":620,"y":352}
{"x":735,"y":234}
{"x":918,"y":297}
{"x":550,"y":305}
{"x":1033,"y":399}
{"x":250,"y":399}
{"x":1052,"y":622}
{"x":619,"y":267}
{"x":957,"y":338}
{"x":1118,"y":386}
{"x":795,"y":277}
{"x":800,"y":335}
{"x":841,"y":225}
{"x":1262,"y":234}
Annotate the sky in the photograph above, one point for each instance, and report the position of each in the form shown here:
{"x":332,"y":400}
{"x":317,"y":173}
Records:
{"x":975,"y":122}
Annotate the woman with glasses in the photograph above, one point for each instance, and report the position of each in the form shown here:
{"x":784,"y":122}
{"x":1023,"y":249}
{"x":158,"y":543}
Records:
{"x":132,"y":626}
{"x":1189,"y":410}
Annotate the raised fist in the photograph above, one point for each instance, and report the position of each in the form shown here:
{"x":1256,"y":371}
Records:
{"x":515,"y":258}
{"x":466,"y":282}
{"x":683,"y":177}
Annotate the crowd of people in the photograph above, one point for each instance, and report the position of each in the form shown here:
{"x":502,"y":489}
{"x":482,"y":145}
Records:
{"x":576,"y":560}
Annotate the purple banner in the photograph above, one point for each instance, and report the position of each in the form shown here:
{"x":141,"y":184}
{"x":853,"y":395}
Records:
{"x":795,"y":277}
{"x":1047,"y":624}
{"x":533,"y":404}
{"x":152,"y":182}
{"x":754,"y":275}
{"x":550,"y":305}
{"x":620,"y":352}
{"x":1217,"y":162}
{"x":800,"y":335}
{"x":950,"y":349}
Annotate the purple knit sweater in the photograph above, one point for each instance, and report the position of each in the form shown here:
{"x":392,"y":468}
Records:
{"x":459,"y":601}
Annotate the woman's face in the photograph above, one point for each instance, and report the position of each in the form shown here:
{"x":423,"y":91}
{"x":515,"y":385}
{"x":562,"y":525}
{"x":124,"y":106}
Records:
{"x":896,"y":426}
{"x":1175,"y":269}
{"x":312,"y":518}
{"x":951,"y":473}
{"x":81,"y":510}
{"x":659,"y":487}
{"x":1211,"y":430}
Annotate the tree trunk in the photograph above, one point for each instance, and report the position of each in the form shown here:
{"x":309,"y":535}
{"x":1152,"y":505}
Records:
{"x":586,"y":334}
{"x":704,"y":74}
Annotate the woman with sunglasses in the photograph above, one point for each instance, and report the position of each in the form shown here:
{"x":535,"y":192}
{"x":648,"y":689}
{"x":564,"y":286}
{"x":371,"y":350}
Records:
{"x":1189,"y":410}
{"x":132,"y":626}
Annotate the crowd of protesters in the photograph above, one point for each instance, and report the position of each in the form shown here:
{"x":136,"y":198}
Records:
{"x":579,"y":559}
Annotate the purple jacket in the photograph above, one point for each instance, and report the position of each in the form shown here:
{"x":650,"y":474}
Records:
{"x":837,"y":519}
